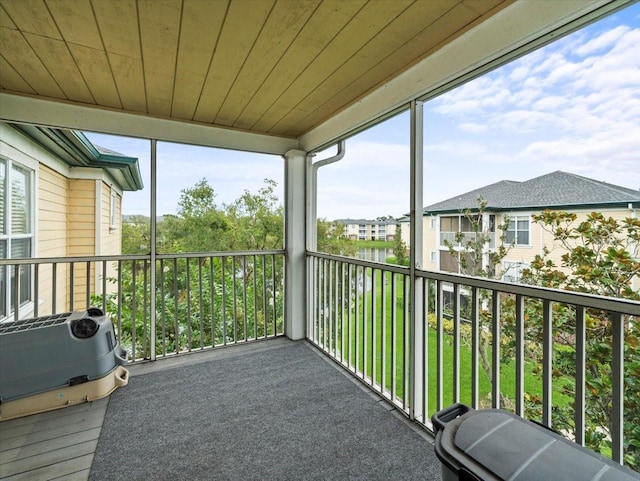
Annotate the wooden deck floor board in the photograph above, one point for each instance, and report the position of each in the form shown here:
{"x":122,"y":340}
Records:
{"x":49,"y":421}
{"x":54,"y":445}
{"x":77,"y":476}
{"x":58,"y":442}
{"x":72,"y":467}
{"x":49,"y":458}
{"x":39,"y":436}
{"x":50,"y":415}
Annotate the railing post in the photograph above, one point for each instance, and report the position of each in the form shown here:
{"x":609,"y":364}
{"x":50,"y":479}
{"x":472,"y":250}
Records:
{"x":416,"y":301}
{"x":617,"y":387}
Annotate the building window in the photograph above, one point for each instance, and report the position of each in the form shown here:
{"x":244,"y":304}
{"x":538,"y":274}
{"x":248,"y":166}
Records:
{"x":518,"y":231}
{"x":16,"y":233}
{"x":433,"y":256}
{"x":470,"y":227}
{"x":512,"y":271}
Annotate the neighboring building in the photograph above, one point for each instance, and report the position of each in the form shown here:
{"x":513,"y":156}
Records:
{"x":363,"y":229}
{"x":519,"y":201}
{"x":60,"y":196}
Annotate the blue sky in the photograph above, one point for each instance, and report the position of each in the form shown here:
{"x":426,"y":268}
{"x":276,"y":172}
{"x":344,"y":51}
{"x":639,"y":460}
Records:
{"x":573,"y":106}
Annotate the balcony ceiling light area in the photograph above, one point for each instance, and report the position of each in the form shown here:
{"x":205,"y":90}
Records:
{"x":274,"y":68}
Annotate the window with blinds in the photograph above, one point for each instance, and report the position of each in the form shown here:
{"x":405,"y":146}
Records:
{"x":16,"y":234}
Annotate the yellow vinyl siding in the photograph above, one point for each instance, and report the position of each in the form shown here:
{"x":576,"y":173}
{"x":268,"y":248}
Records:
{"x":82,"y":235}
{"x":556,"y":248}
{"x":539,"y":238}
{"x":430,"y":242}
{"x":82,"y":200}
{"x":52,"y":237}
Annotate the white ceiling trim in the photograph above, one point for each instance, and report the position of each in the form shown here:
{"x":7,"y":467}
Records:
{"x":50,"y":113}
{"x":508,"y":34}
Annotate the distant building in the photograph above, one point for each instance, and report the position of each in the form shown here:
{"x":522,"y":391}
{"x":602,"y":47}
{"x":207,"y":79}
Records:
{"x":60,"y":196}
{"x":519,"y":201}
{"x":364,"y":229}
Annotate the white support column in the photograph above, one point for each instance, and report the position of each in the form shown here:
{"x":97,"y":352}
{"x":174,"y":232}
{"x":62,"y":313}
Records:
{"x":417,"y":302}
{"x":152,"y":253}
{"x":97,"y":250}
{"x":295,"y":244}
{"x":311,"y":221}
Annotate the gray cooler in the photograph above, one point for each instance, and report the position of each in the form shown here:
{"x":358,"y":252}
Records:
{"x":495,"y":445}
{"x":52,"y":352}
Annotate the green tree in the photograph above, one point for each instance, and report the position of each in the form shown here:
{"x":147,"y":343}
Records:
{"x":332,"y":239}
{"x":136,"y":235}
{"x":204,"y":300}
{"x":400,"y":248}
{"x":601,"y":255}
{"x":256,"y":221}
{"x":199,"y":226}
{"x":471,"y":248}
{"x":475,"y":258}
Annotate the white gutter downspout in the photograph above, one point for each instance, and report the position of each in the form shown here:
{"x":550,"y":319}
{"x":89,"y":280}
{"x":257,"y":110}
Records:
{"x":312,"y":193}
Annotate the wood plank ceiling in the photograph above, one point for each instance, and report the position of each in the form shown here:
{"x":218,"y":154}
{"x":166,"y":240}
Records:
{"x":279,"y":67}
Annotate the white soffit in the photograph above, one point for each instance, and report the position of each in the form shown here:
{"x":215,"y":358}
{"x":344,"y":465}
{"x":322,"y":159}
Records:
{"x":24,"y":109}
{"x":514,"y":31}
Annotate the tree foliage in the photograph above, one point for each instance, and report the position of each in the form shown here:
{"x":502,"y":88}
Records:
{"x":256,"y":220}
{"x":471,"y":250}
{"x":199,"y":226}
{"x":136,"y":235}
{"x":209,"y":299}
{"x":400,"y":248}
{"x":596,"y":255}
{"x":600,"y":255}
{"x":332,"y":239}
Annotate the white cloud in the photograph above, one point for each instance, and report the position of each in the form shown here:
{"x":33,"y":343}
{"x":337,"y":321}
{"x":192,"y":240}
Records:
{"x":519,"y":73}
{"x":473,"y":127}
{"x":368,"y":182}
{"x":550,"y":102}
{"x":373,"y":155}
{"x":606,"y":40}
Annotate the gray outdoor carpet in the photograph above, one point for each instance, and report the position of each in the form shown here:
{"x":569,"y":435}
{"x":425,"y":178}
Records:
{"x":279,"y":414}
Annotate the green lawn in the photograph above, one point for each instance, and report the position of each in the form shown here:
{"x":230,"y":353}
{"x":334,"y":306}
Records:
{"x":373,"y":244}
{"x":362,"y":337}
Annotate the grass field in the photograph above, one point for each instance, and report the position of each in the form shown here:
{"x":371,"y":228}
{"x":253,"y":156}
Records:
{"x":373,"y":244}
{"x":384,"y":308}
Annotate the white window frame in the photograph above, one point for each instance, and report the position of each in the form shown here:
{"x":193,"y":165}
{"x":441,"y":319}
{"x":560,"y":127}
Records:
{"x":26,"y":307}
{"x":515,"y":219}
{"x":512,"y":271}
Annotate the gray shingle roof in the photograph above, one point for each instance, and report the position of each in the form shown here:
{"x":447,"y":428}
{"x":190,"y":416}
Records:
{"x":555,"y":190}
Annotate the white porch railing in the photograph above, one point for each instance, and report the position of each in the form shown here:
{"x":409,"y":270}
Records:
{"x":487,"y":343}
{"x":202,"y":300}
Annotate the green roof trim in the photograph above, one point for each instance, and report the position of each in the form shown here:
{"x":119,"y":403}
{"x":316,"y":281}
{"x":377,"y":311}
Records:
{"x":76,"y":150}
